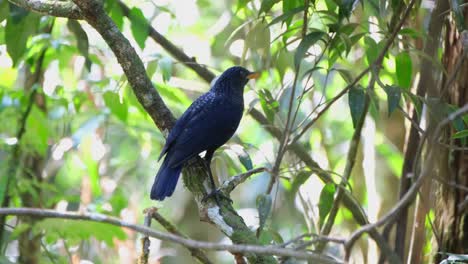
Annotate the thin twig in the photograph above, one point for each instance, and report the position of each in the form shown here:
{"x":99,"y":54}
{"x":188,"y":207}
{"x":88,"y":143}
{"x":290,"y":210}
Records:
{"x":196,"y":252}
{"x":145,"y":242}
{"x":229,"y":185}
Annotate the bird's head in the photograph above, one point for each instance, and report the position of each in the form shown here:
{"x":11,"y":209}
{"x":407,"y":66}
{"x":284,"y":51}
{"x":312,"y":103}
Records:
{"x":234,"y":79}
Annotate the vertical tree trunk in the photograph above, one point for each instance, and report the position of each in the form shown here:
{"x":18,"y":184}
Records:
{"x":451,"y":224}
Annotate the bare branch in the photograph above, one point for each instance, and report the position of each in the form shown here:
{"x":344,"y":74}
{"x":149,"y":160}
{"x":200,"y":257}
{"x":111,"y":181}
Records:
{"x":95,"y":217}
{"x":51,"y":8}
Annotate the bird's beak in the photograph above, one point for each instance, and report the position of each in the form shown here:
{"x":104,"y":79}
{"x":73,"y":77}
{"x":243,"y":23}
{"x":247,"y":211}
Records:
{"x":253,"y":75}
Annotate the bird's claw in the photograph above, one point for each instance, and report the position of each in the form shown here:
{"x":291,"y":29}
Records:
{"x":216,"y":194}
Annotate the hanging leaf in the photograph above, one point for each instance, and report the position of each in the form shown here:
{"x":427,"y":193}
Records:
{"x":309,"y":40}
{"x":18,"y":29}
{"x":139,"y":26}
{"x":356,"y":102}
{"x":119,"y":109}
{"x":299,"y":180}
{"x":81,"y":39}
{"x":264,"y":207}
{"x":393,"y":97}
{"x":403,"y":70}
{"x":117,"y":15}
{"x":326,"y":201}
{"x":165,"y":64}
{"x":372,"y":49}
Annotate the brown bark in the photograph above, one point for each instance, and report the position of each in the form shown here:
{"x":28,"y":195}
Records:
{"x":450,"y":191}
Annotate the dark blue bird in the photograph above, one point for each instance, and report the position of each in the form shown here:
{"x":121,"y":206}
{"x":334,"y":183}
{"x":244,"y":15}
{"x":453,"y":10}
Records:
{"x":206,"y":125}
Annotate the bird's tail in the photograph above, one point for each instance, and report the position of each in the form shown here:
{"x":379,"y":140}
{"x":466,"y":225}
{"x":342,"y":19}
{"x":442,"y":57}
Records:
{"x":165,"y":181}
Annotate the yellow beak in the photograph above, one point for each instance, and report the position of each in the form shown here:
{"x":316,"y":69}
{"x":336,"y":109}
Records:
{"x":253,"y":75}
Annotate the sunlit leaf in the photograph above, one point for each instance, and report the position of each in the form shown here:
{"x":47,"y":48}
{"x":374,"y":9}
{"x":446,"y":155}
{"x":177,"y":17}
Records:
{"x":404,"y":69}
{"x":393,"y":97}
{"x":117,"y":15}
{"x":17,"y":32}
{"x":356,"y":102}
{"x":326,"y":201}
{"x":4,"y":10}
{"x":119,"y":109}
{"x":139,"y":26}
{"x":309,"y":40}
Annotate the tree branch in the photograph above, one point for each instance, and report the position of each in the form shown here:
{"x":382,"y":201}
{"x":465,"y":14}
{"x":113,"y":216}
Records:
{"x":51,"y":7}
{"x":95,"y":217}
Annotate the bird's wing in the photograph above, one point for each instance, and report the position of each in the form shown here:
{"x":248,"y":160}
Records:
{"x":208,"y":128}
{"x":182,"y":122}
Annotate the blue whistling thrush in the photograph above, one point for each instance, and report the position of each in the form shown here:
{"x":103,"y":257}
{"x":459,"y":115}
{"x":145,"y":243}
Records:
{"x":206,"y":125}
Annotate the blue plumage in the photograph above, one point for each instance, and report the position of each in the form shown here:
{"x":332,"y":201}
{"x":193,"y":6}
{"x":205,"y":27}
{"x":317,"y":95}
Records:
{"x":206,"y":125}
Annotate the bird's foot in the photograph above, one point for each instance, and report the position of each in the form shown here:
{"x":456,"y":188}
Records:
{"x":216,"y":194}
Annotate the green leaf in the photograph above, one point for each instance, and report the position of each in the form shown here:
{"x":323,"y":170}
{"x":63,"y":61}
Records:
{"x":264,"y":203}
{"x":117,"y":15}
{"x":460,"y":134}
{"x":298,"y":180}
{"x":80,"y":230}
{"x":285,"y":16}
{"x":356,"y":102}
{"x":404,"y":70}
{"x":458,"y":122}
{"x":411,"y":32}
{"x":81,"y":39}
{"x":37,"y":131}
{"x":119,"y":109}
{"x":4,"y":9}
{"x":309,"y":40}
{"x":269,"y":105}
{"x":266,"y":6}
{"x":258,"y":37}
{"x":326,"y":201}
{"x":393,"y":97}
{"x":371,"y":48}
{"x":139,"y":26}
{"x":165,"y":64}
{"x":289,"y":5}
{"x":241,"y":4}
{"x":245,"y":160}
{"x":17,"y":33}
